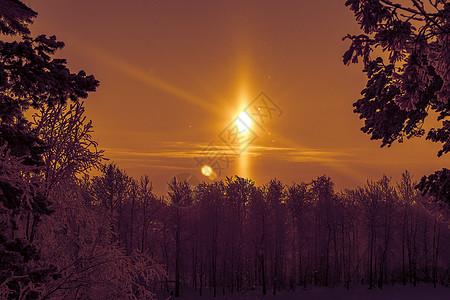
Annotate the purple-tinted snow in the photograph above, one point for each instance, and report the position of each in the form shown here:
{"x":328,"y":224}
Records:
{"x":397,"y":292}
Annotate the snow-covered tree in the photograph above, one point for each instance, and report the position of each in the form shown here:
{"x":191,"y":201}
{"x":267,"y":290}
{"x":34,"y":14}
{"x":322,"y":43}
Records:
{"x":69,"y":148}
{"x":78,"y":239}
{"x":29,"y":77}
{"x":413,"y":80}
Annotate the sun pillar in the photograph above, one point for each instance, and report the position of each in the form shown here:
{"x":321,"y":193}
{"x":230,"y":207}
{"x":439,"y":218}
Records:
{"x":243,"y":124}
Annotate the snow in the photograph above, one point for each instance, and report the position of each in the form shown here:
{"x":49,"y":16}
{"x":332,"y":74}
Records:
{"x":398,"y":292}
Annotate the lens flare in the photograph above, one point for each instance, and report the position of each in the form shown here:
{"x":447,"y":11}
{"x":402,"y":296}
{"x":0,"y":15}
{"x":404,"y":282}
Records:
{"x":207,"y":170}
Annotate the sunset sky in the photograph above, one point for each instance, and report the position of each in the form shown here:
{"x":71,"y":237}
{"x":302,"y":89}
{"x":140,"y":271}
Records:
{"x":174,"y":74}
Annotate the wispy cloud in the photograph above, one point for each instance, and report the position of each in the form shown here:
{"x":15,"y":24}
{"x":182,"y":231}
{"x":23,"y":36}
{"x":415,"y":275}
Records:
{"x":181,"y":150}
{"x":318,"y":155}
{"x":150,"y":155}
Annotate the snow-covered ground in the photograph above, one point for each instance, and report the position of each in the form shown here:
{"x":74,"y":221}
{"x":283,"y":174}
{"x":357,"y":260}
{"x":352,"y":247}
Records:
{"x":398,"y":292}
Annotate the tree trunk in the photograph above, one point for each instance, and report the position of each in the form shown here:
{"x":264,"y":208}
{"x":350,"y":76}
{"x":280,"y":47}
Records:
{"x":133,"y":200}
{"x":177,"y":256}
{"x":435,"y":250}
{"x":371,"y":256}
{"x":425,"y":251}
{"x":144,"y":222}
{"x":263,"y":271}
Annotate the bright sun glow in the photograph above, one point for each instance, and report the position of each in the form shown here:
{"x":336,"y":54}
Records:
{"x":243,"y":122}
{"x":206,"y":170}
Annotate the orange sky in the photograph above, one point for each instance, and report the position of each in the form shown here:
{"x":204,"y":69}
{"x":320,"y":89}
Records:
{"x":174,"y":74}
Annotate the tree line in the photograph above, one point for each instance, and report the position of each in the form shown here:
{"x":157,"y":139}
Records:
{"x":231,"y":235}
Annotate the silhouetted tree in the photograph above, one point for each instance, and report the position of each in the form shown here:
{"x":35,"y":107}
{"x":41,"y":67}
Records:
{"x":347,"y":213}
{"x":437,"y":185}
{"x":258,"y":219}
{"x":238,"y":191}
{"x":274,"y":195}
{"x":15,"y":17}
{"x":415,"y":80}
{"x":298,"y":200}
{"x":323,"y":195}
{"x":211,"y":198}
{"x":180,"y":194}
{"x":29,"y":77}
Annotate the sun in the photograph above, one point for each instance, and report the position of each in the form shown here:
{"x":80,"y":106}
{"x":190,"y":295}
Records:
{"x":243,"y":122}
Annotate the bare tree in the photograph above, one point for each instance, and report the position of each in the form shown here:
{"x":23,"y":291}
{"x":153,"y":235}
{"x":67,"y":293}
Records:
{"x":180,"y":194}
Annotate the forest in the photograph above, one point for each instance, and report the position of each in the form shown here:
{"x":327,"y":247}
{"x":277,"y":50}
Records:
{"x":231,"y":235}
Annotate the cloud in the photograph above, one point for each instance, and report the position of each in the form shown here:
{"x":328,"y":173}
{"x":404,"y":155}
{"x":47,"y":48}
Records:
{"x":181,"y":150}
{"x":130,"y":154}
{"x":317,"y":155}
